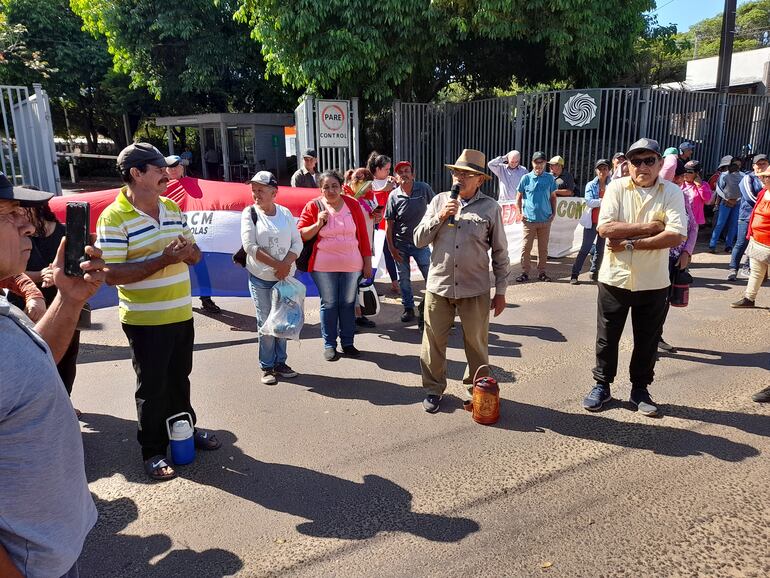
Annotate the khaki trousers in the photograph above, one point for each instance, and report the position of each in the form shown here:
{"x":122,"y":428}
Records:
{"x":757,"y":276}
{"x":541,"y":232}
{"x":439,"y":316}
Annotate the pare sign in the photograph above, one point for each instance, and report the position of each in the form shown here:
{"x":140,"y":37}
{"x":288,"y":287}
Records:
{"x":333,"y":123}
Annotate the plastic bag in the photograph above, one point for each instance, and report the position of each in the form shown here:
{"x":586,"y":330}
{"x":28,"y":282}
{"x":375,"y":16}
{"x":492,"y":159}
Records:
{"x":287,"y":310}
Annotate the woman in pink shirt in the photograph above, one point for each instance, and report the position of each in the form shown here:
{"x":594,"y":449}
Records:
{"x":341,"y":254}
{"x":697,"y":191}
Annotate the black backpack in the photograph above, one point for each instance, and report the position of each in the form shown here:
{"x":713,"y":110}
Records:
{"x":239,"y":257}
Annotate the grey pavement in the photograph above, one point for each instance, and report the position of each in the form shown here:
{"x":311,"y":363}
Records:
{"x":339,"y":472}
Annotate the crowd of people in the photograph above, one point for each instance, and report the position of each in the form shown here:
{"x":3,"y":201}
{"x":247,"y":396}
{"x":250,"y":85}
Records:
{"x":643,"y":210}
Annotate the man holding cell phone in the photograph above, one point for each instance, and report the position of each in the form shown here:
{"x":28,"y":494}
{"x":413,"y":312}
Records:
{"x":46,"y":509}
{"x":148,"y":246}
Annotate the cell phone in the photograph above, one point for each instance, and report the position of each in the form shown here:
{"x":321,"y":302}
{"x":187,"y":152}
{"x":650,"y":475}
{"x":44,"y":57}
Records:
{"x":77,"y":223}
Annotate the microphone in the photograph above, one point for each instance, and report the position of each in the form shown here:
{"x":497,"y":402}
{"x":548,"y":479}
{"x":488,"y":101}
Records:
{"x":453,"y":194}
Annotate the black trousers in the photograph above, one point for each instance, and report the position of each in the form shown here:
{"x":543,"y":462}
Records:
{"x":162,"y":357}
{"x":648,"y":309}
{"x":67,"y":366}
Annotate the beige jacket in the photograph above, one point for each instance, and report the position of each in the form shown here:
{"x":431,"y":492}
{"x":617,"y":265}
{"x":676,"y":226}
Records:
{"x":459,"y":263}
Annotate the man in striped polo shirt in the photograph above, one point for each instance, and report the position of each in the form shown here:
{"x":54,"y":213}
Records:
{"x":148,"y":246}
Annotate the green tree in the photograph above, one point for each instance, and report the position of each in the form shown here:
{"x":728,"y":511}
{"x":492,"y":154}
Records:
{"x":191,"y":56}
{"x":16,"y":59}
{"x":414,"y":48}
{"x":660,"y":56}
{"x":78,"y":76}
{"x":752,"y":30}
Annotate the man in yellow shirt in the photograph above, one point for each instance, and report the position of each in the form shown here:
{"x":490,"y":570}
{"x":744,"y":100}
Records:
{"x":148,"y":246}
{"x":642,"y":216}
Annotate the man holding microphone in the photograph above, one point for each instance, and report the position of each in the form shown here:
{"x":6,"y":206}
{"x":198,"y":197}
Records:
{"x":463,"y":226}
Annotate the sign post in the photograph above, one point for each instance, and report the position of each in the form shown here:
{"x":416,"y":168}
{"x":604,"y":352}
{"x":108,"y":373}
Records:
{"x":334,"y":123}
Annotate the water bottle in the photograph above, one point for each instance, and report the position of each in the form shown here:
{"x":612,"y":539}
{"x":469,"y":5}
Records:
{"x":180,"y":436}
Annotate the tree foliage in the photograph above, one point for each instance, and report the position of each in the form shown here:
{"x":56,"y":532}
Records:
{"x":414,"y":48}
{"x":191,"y":56}
{"x":752,"y":30}
{"x":76,"y":69}
{"x":16,"y":59}
{"x":660,"y":55}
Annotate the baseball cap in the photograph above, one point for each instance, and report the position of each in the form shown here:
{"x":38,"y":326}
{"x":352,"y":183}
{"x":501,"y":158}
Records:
{"x":670,"y":151}
{"x":617,"y":156}
{"x":557,"y":160}
{"x":174,"y":160}
{"x":400,"y":164}
{"x":758,"y":158}
{"x":265,"y":178}
{"x":726,"y":161}
{"x":686,"y":146}
{"x":601,"y":162}
{"x":309,"y":153}
{"x":143,"y":153}
{"x":26,"y":197}
{"x":644,"y":144}
{"x":692,"y":166}
{"x":538,"y":156}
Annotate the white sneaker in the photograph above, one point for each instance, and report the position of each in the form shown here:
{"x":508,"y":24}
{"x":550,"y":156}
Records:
{"x":744,"y":272}
{"x":268,"y":377}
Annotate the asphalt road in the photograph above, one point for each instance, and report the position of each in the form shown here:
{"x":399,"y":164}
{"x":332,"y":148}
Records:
{"x":339,"y":472}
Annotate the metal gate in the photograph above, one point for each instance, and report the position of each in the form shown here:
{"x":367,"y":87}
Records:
{"x":27,"y":151}
{"x":335,"y":158}
{"x":431,"y":135}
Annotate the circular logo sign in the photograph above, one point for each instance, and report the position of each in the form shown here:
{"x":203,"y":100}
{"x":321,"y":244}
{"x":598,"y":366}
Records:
{"x":333,"y":117}
{"x":580,"y":109}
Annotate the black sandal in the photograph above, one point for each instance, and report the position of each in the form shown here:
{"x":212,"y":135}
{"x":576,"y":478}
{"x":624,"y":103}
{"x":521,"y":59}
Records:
{"x":522,"y":278}
{"x":206,"y":441}
{"x":154,"y":468}
{"x":543,"y":277}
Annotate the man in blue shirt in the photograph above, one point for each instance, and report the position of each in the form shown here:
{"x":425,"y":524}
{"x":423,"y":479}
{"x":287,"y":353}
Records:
{"x":405,"y":209}
{"x":536,"y":200}
{"x":749,"y":186}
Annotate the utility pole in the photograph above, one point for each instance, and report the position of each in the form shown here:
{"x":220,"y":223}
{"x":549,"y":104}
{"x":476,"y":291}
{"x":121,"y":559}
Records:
{"x":726,"y":46}
{"x":723,"y":73}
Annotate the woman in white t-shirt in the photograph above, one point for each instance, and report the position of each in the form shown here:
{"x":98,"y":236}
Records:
{"x":272,"y":244}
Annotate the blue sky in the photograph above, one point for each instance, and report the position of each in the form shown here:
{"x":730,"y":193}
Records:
{"x":685,"y":13}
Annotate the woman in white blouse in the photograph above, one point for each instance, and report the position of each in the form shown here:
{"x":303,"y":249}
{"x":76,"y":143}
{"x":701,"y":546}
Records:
{"x":272,"y":244}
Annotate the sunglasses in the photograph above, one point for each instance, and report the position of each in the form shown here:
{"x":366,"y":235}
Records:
{"x":649,"y":161}
{"x":464,"y":174}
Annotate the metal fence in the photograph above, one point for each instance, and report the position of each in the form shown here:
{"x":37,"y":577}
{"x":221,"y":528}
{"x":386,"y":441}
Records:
{"x":27,"y":151}
{"x":431,"y":135}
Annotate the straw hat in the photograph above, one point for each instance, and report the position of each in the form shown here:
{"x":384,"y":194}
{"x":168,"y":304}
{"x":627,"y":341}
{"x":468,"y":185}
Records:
{"x":472,"y":161}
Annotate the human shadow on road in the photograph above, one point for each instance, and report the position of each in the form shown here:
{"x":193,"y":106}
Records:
{"x":96,"y":353}
{"x":753,"y":423}
{"x":715,"y":284}
{"x":333,"y":507}
{"x":374,"y":391}
{"x":657,"y":438}
{"x":109,"y":552}
{"x":539,"y":331}
{"x":724,"y":358}
{"x":236,"y":321}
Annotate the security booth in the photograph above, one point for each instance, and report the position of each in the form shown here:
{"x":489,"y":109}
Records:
{"x":234,"y":146}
